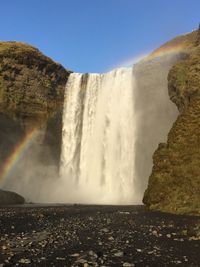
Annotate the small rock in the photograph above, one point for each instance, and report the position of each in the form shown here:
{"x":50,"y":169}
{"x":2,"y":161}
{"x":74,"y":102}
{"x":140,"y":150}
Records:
{"x":99,"y":254}
{"x":124,"y":212}
{"x":105,"y":230}
{"x":119,"y":254}
{"x":92,"y":253}
{"x":27,"y":261}
{"x":178,"y":262}
{"x":127,"y":264}
{"x":184,"y":232}
{"x":75,"y":255}
{"x":60,"y":259}
{"x":83,"y":261}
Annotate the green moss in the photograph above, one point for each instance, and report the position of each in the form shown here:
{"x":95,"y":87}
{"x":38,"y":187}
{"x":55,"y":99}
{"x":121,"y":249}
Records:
{"x":30,"y":82}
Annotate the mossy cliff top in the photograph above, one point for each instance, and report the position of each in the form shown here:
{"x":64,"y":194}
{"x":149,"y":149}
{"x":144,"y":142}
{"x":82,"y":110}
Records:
{"x":30,"y":82}
{"x":184,"y":80}
{"x":174,"y":185}
{"x":26,"y":54}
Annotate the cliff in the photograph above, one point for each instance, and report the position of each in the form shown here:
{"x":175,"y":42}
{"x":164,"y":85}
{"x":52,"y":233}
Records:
{"x":174,"y":185}
{"x":31,"y":95}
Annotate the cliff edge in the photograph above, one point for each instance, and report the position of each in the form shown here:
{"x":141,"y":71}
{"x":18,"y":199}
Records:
{"x":174,"y":185}
{"x":31,"y":96}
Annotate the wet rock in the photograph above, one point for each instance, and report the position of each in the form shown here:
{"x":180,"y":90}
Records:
{"x":92,"y":253}
{"x":77,"y":241}
{"x":27,"y":261}
{"x":127,"y":264}
{"x":10,"y":198}
{"x":119,"y":254}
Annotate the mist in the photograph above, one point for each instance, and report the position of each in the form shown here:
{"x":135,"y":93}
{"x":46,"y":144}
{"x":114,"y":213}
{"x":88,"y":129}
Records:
{"x":112,"y":125}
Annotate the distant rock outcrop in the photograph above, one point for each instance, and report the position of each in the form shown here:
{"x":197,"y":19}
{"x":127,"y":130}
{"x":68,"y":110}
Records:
{"x":10,"y":198}
{"x":174,"y":185}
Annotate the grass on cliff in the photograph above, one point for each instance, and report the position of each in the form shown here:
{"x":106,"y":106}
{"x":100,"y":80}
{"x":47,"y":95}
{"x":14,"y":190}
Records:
{"x":184,"y":76}
{"x":30,"y":82}
{"x":174,"y":185}
{"x":185,"y":41}
{"x":26,"y":53}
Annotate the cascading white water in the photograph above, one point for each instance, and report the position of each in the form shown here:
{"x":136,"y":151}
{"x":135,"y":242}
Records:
{"x":112,"y":125}
{"x":97,"y":161}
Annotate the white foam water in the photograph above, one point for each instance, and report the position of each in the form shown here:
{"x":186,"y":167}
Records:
{"x":97,"y":160}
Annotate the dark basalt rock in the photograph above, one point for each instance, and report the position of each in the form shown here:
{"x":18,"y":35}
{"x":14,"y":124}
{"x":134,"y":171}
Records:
{"x":10,"y":198}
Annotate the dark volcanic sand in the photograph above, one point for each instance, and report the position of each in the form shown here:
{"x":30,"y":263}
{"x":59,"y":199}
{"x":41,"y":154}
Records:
{"x":96,"y":236}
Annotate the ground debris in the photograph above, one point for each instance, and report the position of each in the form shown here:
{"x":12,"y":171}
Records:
{"x":97,"y":236}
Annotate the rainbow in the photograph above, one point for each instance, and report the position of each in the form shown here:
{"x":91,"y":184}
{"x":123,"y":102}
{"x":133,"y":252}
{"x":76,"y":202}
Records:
{"x":17,"y":153}
{"x":130,"y":61}
{"x":168,"y":49}
{"x":27,"y":140}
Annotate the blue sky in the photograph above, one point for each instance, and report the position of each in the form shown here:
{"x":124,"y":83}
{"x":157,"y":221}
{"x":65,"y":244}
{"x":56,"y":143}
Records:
{"x":96,"y":35}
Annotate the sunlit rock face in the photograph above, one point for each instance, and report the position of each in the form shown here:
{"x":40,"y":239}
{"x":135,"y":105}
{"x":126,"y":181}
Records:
{"x":31,"y":95}
{"x":112,"y":124}
{"x":174,"y":185}
{"x":31,"y":98}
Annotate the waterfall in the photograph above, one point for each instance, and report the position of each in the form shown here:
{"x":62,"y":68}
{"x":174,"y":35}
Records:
{"x":98,"y":147}
{"x":112,"y":125}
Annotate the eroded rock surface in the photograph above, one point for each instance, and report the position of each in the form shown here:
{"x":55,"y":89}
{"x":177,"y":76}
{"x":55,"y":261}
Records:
{"x":174,"y":185}
{"x":31,"y":96}
{"x":32,"y":90}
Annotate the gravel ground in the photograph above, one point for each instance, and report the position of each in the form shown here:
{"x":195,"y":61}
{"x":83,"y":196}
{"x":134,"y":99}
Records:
{"x":83,"y":235}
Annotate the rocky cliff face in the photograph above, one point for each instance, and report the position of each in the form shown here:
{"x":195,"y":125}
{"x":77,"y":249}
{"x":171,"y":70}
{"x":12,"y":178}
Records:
{"x":31,"y":95}
{"x":174,"y":185}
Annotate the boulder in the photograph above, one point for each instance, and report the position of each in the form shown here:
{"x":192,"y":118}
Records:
{"x":10,"y":198}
